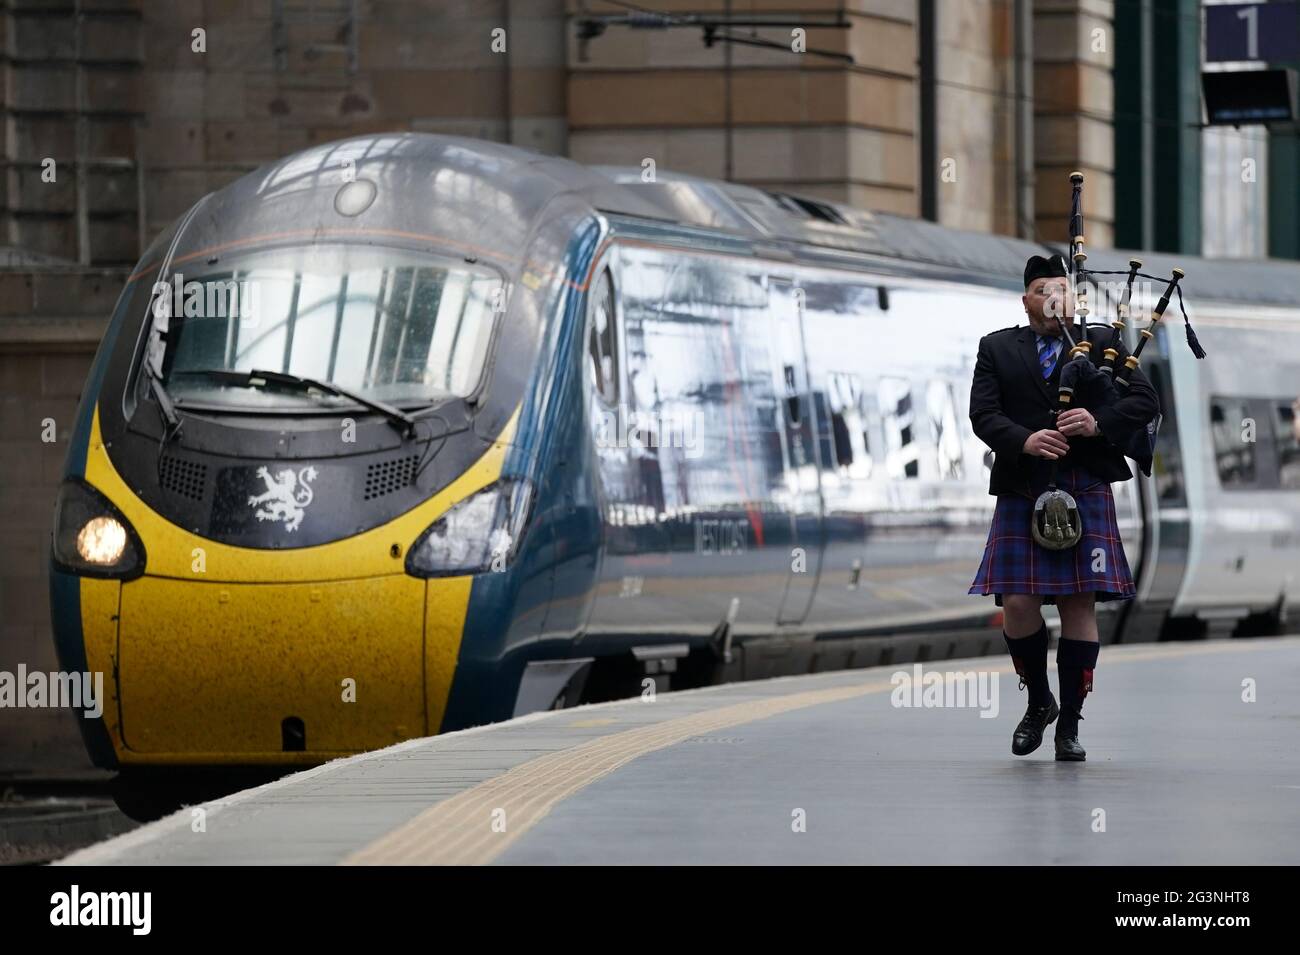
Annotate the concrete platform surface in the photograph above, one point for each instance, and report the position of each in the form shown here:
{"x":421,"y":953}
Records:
{"x":1193,"y":758}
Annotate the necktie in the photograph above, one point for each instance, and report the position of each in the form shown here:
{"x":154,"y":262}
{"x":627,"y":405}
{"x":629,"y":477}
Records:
{"x":1046,"y":355}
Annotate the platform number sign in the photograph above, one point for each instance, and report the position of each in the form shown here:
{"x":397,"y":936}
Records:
{"x":1266,"y":32}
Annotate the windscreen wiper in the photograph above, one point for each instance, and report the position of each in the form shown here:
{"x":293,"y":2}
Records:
{"x":256,"y":378}
{"x":165,"y":405}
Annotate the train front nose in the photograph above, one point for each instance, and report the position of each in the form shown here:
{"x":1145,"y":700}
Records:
{"x":218,"y":654}
{"x":223,"y":655}
{"x":295,"y":389}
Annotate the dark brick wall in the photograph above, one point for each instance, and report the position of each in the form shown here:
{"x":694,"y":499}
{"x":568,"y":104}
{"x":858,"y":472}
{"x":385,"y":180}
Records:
{"x":45,"y":354}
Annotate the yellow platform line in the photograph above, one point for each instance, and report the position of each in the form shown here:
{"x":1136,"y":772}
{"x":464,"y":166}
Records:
{"x":477,"y":825}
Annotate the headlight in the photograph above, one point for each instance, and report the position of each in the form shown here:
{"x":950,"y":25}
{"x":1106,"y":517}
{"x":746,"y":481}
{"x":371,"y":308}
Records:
{"x":102,"y":541}
{"x":480,"y":533}
{"x":91,"y":537}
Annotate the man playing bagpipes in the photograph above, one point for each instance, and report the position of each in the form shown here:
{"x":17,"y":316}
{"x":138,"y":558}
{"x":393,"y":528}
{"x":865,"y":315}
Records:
{"x":1013,"y":409}
{"x":1061,"y":404}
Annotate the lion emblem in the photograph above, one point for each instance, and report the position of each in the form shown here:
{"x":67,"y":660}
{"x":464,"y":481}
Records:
{"x":286,"y":497}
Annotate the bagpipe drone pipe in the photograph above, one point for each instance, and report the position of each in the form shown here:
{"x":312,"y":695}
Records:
{"x":1095,"y":386}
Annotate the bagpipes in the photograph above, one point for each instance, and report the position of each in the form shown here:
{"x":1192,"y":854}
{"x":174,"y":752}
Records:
{"x":1056,"y":523}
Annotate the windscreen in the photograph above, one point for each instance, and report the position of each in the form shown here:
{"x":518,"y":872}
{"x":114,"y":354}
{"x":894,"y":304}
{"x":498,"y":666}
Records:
{"x":394,"y":325}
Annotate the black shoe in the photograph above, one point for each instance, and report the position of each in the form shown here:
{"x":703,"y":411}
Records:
{"x":1029,"y":733}
{"x":1068,"y":748}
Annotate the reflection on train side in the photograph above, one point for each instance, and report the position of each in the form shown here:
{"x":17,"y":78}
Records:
{"x":830,"y":426}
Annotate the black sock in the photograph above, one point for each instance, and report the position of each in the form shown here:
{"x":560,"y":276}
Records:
{"x":1029,"y":654}
{"x":1075,"y":661}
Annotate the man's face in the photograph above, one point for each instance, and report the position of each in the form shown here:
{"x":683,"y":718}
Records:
{"x":1047,"y":300}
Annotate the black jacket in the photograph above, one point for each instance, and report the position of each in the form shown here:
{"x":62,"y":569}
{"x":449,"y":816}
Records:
{"x":1010,"y":400}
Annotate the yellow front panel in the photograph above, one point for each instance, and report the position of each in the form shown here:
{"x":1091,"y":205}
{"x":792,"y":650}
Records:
{"x":99,"y":611}
{"x":214,"y":668}
{"x":446,"y":608}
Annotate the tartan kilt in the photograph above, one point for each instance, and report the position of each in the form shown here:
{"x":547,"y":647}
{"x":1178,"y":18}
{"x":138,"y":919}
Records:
{"x":1014,"y":564}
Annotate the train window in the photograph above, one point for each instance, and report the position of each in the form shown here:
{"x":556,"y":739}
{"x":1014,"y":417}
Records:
{"x":701,"y":333}
{"x":801,"y":205}
{"x":1233,"y":428}
{"x":1168,"y":464}
{"x":602,"y":341}
{"x":1286,"y":433}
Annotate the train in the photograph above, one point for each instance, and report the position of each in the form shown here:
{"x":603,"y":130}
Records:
{"x":407,"y":433}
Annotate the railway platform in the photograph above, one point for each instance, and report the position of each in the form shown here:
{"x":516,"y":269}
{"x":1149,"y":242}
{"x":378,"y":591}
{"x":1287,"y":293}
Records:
{"x":1192,"y":759}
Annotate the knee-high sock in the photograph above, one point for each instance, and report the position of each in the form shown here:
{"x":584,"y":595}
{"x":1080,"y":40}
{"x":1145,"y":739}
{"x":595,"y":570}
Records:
{"x":1029,"y":654}
{"x":1075,"y":662}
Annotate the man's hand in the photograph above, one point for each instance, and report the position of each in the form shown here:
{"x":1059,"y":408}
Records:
{"x":1077,"y":422}
{"x":1046,"y":444}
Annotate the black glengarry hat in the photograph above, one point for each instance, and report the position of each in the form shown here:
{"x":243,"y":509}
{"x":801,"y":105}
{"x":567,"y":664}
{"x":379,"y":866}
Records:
{"x":1042,"y":267}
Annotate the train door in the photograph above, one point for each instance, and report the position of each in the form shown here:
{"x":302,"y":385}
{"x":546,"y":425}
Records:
{"x":628,"y":488}
{"x":799,"y":431}
{"x":1165,"y":538}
